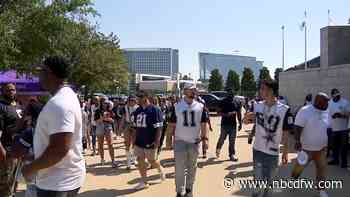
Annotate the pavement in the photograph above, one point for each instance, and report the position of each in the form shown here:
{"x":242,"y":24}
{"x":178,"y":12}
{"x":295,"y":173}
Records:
{"x":105,"y":181}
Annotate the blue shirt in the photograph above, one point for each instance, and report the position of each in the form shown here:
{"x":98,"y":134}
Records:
{"x":147,"y":121}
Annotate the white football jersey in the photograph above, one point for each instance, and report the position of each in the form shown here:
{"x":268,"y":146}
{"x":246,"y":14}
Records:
{"x":188,"y":120}
{"x":269,"y":126}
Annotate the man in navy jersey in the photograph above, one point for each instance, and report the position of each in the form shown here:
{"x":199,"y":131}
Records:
{"x":148,"y":121}
{"x":189,"y":121}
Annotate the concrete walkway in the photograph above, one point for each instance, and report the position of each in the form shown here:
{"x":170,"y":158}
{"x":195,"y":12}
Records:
{"x":104,"y":181}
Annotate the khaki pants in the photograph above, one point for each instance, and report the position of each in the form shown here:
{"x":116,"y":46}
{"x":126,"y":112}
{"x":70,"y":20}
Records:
{"x":169,"y":137}
{"x":7,"y":177}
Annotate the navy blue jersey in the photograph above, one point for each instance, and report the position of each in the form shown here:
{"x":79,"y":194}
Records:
{"x":26,"y":138}
{"x":147,"y":121}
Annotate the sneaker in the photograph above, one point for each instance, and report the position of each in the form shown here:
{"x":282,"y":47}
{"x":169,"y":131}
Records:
{"x":141,"y":185}
{"x":188,"y":193}
{"x":179,"y":195}
{"x":162,"y":176}
{"x":102,"y":162}
{"x":114,"y":164}
{"x":323,"y":194}
{"x":204,"y":156}
{"x":218,"y":153}
{"x":233,"y":158}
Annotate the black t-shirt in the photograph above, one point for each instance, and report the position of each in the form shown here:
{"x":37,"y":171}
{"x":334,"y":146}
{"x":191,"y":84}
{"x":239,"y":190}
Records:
{"x":229,"y":105}
{"x":147,"y":121}
{"x":115,"y":111}
{"x":8,"y":119}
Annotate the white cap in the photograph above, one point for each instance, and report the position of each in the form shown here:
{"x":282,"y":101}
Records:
{"x":189,"y":87}
{"x":302,"y":158}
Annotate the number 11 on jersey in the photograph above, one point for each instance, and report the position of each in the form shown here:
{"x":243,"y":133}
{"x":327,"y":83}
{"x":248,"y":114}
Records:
{"x":192,"y":118}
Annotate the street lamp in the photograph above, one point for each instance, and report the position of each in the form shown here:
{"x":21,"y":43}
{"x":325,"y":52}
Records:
{"x":116,"y":82}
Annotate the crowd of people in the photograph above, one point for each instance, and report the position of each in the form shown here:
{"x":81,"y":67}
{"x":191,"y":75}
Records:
{"x":46,"y":143}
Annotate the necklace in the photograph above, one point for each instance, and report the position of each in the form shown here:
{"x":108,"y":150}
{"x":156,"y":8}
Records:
{"x":268,"y":112}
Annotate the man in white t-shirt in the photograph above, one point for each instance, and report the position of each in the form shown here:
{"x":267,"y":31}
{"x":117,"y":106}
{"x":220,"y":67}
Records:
{"x":311,"y":125}
{"x":338,"y":109}
{"x":59,"y":164}
{"x":273,"y":121}
{"x":189,"y":122}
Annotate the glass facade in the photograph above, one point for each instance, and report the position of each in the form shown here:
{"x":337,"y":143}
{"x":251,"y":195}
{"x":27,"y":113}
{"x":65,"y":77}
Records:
{"x":223,"y":62}
{"x":155,"y":61}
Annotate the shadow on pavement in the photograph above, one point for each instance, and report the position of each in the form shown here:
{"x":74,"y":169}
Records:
{"x":107,"y":170}
{"x":149,"y":179}
{"x":167,"y":163}
{"x":107,"y":193}
{"x":210,"y":161}
{"x":242,"y":136}
{"x":239,"y":165}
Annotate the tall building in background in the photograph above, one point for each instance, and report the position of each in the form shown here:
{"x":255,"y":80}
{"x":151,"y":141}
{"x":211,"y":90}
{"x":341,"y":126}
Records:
{"x":226,"y":62}
{"x":154,"y":61}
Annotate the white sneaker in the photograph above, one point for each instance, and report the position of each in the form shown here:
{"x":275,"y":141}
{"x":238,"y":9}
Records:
{"x":162,"y":176}
{"x":141,"y":185}
{"x":114,"y":164}
{"x":133,"y":159}
{"x":128,"y":161}
{"x":323,"y":194}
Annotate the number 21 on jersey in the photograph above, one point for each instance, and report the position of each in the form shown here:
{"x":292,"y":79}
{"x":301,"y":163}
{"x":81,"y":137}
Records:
{"x":141,"y":120}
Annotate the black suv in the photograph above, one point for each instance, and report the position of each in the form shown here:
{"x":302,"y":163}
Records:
{"x":212,"y":102}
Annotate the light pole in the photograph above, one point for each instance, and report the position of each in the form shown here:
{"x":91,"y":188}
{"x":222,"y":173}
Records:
{"x":283,"y":45}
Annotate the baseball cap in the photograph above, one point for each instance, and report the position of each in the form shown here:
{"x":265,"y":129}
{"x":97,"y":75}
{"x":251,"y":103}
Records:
{"x":132,"y":98}
{"x":335,"y":92}
{"x":323,"y":94}
{"x":302,"y":158}
{"x":189,"y":87}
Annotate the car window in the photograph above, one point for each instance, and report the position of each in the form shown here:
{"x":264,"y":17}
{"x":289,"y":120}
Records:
{"x":207,"y":98}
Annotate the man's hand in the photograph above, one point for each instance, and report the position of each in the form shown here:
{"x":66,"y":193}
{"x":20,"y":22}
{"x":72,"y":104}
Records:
{"x":249,"y":118}
{"x":2,"y":153}
{"x":28,"y":171}
{"x":285,"y":158}
{"x":297,"y":146}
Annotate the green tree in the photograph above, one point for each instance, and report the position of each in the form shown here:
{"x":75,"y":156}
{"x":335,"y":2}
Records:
{"x":215,"y":81}
{"x":232,"y":81}
{"x":248,"y":84}
{"x":33,"y":30}
{"x":264,"y":75}
{"x":277,"y":75}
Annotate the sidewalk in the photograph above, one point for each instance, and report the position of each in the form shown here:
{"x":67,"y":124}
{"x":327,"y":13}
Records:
{"x":104,"y":181}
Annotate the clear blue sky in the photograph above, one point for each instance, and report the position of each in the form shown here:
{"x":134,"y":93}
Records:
{"x":251,"y":26}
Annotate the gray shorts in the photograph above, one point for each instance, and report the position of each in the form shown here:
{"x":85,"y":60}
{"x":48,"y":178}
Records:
{"x":102,"y":131}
